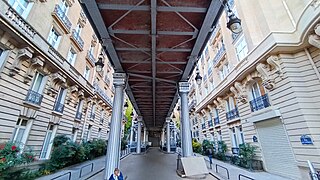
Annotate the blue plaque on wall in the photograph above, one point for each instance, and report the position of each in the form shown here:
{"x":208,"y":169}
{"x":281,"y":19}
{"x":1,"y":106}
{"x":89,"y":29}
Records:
{"x":254,"y":139}
{"x":305,"y":139}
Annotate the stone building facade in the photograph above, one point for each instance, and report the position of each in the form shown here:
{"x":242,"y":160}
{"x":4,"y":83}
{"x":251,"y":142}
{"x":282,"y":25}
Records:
{"x":48,"y":80}
{"x":262,"y":86}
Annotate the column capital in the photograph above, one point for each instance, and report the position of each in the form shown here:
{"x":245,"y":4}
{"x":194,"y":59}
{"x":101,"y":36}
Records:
{"x":139,"y":118}
{"x":168,"y":119}
{"x":184,"y":87}
{"x":119,"y":79}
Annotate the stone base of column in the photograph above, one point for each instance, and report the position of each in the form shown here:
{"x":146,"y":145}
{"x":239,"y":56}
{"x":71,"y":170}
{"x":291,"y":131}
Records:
{"x":192,"y":167}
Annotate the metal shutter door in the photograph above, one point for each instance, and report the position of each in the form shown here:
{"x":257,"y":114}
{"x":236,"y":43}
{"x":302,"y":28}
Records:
{"x":277,"y":152}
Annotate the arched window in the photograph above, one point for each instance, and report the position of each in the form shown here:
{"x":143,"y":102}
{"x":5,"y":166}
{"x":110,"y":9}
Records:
{"x":231,"y":109}
{"x":259,"y":98}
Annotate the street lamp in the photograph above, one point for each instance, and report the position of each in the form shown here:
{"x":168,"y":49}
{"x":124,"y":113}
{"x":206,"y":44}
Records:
{"x":234,"y":23}
{"x":198,"y":78}
{"x":99,"y":64}
{"x":131,"y":115}
{"x":173,"y":116}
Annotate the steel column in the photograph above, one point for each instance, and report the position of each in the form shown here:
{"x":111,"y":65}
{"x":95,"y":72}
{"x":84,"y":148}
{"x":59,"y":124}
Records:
{"x":185,"y":123}
{"x":113,"y":149}
{"x":168,"y":135}
{"x":139,"y":136}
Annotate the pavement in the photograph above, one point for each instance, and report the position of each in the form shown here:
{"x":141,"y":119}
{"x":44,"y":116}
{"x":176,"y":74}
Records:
{"x":153,"y":165}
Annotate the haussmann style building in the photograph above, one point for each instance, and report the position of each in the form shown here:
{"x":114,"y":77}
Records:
{"x":262,"y":86}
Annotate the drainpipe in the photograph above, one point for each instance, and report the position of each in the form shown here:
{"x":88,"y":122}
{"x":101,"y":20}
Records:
{"x":313,"y":173}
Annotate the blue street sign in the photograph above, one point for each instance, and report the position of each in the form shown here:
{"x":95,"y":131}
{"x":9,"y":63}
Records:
{"x":305,"y":139}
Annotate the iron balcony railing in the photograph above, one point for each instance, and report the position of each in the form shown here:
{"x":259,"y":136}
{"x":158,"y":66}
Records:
{"x":192,"y":104}
{"x":63,"y":17}
{"x":234,"y":113}
{"x":34,"y":97}
{"x":203,"y":125}
{"x":205,"y":78}
{"x":219,"y":54}
{"x":259,"y":103}
{"x":102,"y":93}
{"x":101,"y":120}
{"x":58,"y":107}
{"x":91,"y":58}
{"x":209,"y":71}
{"x":77,"y":38}
{"x":210,"y":124}
{"x":79,"y":115}
{"x":216,"y":120}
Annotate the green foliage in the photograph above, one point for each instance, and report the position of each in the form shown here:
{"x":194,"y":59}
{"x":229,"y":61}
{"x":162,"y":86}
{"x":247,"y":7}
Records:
{"x":207,"y":147}
{"x":246,"y":154}
{"x":10,"y":158}
{"x":196,"y":146}
{"x":128,"y":112}
{"x":67,"y":153}
{"x":123,"y":144}
{"x":222,"y":149}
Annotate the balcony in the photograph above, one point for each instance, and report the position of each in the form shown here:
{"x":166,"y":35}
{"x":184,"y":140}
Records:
{"x":91,"y":59}
{"x":219,"y":55}
{"x":209,"y":71}
{"x":58,"y":108}
{"x":79,"y":115}
{"x":34,"y":97}
{"x":203,"y":125}
{"x":216,"y":121}
{"x":233,"y":114}
{"x":210,"y":124}
{"x":77,"y":40}
{"x":192,"y":104}
{"x":259,"y":103}
{"x":101,"y":92}
{"x":62,"y":18}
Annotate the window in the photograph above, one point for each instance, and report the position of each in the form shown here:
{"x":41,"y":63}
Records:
{"x":54,"y":38}
{"x":48,"y":140}
{"x":23,"y":7}
{"x":88,"y":133}
{"x":2,"y":57}
{"x":224,"y":71}
{"x":59,"y":105}
{"x":102,"y":116}
{"x":219,"y":135}
{"x":71,"y":58}
{"x":99,"y":133}
{"x":86,"y":73}
{"x":21,"y":132}
{"x":240,"y":135}
{"x":230,"y":104}
{"x":64,"y":7}
{"x":78,"y":30}
{"x":91,"y":50}
{"x":74,"y":134}
{"x":257,"y":90}
{"x":234,"y":138}
{"x":93,"y":110}
{"x":258,"y":96}
{"x":241,"y":48}
{"x":79,"y":109}
{"x":38,"y":83}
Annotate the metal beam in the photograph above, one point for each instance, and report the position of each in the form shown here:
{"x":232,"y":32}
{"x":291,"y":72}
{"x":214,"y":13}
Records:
{"x":159,"y":49}
{"x":148,"y":62}
{"x":145,"y":32}
{"x":158,"y":72}
{"x":105,"y":6}
{"x":148,"y":77}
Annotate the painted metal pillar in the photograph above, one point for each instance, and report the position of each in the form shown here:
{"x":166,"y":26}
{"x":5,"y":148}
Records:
{"x":139,"y":135}
{"x":175,"y":134}
{"x":144,"y":134}
{"x":168,"y":134}
{"x":113,"y":148}
{"x":185,"y":123}
{"x":162,"y":138}
{"x":131,"y":133}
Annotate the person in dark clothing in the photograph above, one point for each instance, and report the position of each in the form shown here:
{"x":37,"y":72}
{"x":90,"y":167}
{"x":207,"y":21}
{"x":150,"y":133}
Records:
{"x":117,"y":175}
